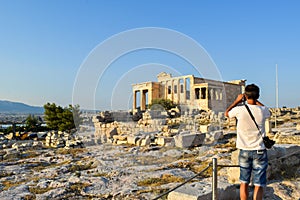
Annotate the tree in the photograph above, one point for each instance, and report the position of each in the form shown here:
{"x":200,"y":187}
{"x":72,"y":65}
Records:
{"x":62,"y":119}
{"x":167,"y":104}
{"x":32,"y":123}
{"x":52,"y":115}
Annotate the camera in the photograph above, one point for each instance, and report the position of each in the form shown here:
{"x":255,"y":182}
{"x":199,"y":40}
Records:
{"x":244,"y":98}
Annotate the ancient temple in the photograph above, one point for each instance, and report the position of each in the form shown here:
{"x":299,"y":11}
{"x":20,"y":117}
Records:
{"x":188,"y":91}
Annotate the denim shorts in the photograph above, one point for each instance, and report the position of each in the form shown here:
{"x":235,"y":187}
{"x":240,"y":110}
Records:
{"x":255,"y":162}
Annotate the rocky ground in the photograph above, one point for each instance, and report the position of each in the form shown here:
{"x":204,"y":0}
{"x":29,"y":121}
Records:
{"x":106,"y":171}
{"x":67,"y":166}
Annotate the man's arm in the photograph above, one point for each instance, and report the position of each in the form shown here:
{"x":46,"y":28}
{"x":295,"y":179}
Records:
{"x":238,"y":100}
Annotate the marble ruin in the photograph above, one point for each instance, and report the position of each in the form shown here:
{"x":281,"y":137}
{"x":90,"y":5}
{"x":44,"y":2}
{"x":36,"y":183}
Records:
{"x":190,"y":92}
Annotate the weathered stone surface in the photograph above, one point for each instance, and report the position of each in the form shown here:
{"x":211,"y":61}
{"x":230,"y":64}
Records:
{"x":121,"y":142}
{"x":162,"y":141}
{"x":203,"y":191}
{"x":146,"y":141}
{"x":131,"y":139}
{"x":268,"y":126}
{"x":284,"y":138}
{"x":287,"y":190}
{"x":106,"y":171}
{"x":189,"y":140}
{"x":9,"y":136}
{"x":18,"y":192}
{"x":234,"y":172}
{"x":111,"y":132}
{"x":204,"y":128}
{"x":120,"y":137}
{"x":298,"y":126}
{"x":99,"y":186}
{"x":52,"y":194}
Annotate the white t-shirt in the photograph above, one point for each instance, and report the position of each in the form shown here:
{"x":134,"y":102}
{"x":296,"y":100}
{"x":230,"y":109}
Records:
{"x":248,"y":137}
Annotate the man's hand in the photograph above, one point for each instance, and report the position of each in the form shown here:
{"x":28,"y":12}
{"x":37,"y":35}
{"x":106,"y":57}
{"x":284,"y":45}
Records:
{"x":240,"y":98}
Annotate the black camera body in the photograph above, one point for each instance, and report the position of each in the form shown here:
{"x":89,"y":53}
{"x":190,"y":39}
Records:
{"x":268,"y":142}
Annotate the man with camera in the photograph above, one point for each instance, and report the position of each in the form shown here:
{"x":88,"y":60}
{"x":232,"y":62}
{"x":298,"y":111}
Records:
{"x":253,"y":155}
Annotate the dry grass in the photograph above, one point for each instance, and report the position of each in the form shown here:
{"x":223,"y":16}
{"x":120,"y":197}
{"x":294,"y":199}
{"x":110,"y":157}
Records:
{"x":45,"y":165}
{"x":185,"y":164}
{"x":78,"y":187}
{"x":81,"y":167}
{"x":198,"y":168}
{"x":72,"y":151}
{"x":38,"y":190}
{"x":9,"y":184}
{"x":21,"y":155}
{"x":99,"y":174}
{"x":164,"y":179}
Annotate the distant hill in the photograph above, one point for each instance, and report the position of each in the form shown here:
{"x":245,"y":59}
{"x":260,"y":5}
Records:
{"x":16,"y":107}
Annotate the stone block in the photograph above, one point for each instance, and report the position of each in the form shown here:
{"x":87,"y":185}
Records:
{"x":291,"y":138}
{"x":234,"y":172}
{"x":203,"y":128}
{"x":121,"y":142}
{"x":162,"y":141}
{"x":268,"y":126}
{"x":9,"y":136}
{"x":132,"y":139}
{"x":146,"y":141}
{"x":298,"y":127}
{"x":174,"y":131}
{"x":111,"y":132}
{"x":217,"y":135}
{"x":97,"y":119}
{"x":139,"y":142}
{"x":120,"y":137}
{"x":189,"y":140}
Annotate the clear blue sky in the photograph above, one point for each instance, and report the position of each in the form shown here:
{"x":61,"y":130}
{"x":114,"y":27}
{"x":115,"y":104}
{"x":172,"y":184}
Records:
{"x":44,"y":43}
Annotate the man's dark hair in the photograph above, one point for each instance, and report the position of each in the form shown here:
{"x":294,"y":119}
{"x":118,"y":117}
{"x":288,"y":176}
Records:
{"x":252,"y":91}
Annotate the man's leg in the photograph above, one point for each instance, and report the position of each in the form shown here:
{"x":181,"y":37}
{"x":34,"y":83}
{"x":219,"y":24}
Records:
{"x":245,"y":162}
{"x":258,"y":193}
{"x":260,"y":165}
{"x":244,"y":193}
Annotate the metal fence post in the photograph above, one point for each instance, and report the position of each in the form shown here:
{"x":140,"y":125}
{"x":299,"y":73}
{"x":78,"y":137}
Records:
{"x":214,"y":179}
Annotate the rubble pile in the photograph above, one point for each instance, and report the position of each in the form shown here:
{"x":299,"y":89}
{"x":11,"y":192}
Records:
{"x":155,"y":128}
{"x":158,"y":128}
{"x":59,"y":139}
{"x":54,"y":139}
